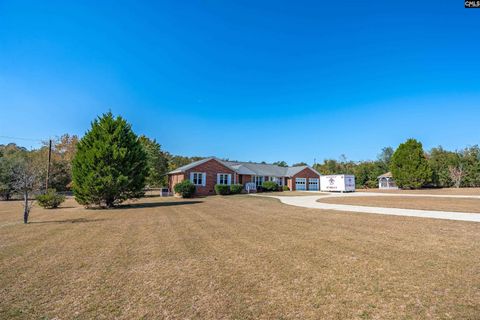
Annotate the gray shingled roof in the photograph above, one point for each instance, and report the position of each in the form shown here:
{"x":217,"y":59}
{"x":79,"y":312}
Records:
{"x":385,"y":175}
{"x":189,"y":166}
{"x":251,"y":168}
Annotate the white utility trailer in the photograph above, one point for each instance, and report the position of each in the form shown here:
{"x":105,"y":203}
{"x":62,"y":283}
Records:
{"x":337,"y":182}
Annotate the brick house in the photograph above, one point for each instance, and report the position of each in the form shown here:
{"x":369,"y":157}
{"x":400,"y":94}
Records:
{"x":206,"y":173}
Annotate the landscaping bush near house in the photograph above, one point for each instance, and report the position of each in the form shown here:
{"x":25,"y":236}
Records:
{"x":222,"y":189}
{"x":270,"y":186}
{"x":285,"y":188}
{"x":186,"y":189}
{"x":51,"y":199}
{"x":236,"y":188}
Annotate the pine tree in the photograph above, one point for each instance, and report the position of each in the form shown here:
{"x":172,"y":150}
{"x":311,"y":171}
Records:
{"x":409,"y":167}
{"x":157,"y":161}
{"x":110,"y":164}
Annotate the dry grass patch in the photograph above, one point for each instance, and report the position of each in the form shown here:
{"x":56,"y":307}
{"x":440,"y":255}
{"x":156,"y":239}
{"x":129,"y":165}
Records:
{"x":446,"y":191}
{"x":422,"y":203}
{"x":294,"y":193}
{"x":236,"y":257}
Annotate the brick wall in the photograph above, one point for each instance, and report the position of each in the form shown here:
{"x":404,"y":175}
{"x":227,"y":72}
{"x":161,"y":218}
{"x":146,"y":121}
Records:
{"x":305,"y":173}
{"x":246,"y":179}
{"x":173,"y":179}
{"x":211,"y":168}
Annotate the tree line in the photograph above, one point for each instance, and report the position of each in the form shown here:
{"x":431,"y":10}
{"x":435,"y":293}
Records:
{"x":107,"y":166}
{"x":412,"y":167}
{"x":111,"y":164}
{"x":64,"y":148}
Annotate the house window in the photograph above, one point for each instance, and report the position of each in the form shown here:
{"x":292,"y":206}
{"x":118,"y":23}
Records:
{"x":276,"y":180}
{"x":223,"y":178}
{"x":197,"y":178}
{"x":258,"y":180}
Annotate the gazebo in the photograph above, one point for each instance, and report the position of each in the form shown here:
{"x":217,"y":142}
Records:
{"x":385,"y":181}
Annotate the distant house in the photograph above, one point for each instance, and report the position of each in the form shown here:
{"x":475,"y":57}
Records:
{"x":386,"y":181}
{"x":206,"y":173}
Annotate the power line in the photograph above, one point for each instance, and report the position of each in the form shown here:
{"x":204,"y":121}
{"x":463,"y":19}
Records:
{"x":49,"y":153}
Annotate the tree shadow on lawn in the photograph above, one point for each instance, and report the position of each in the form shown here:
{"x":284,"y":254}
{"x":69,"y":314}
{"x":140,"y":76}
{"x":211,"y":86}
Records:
{"x":78,"y":220}
{"x":156,"y":204}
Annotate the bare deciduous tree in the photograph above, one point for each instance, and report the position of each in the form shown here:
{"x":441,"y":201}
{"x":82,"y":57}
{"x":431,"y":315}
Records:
{"x":456,"y":174}
{"x":26,"y":180}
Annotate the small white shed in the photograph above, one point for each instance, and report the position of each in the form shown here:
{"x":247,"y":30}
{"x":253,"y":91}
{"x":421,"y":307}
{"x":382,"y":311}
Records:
{"x":386,"y":181}
{"x":338,"y":182}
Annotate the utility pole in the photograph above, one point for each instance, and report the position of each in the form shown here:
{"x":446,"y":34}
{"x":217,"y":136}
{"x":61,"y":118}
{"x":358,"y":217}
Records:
{"x":48,"y":165}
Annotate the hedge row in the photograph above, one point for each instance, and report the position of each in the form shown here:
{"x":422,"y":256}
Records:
{"x":187,"y":189}
{"x":223,"y":189}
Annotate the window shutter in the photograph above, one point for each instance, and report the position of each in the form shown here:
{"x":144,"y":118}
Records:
{"x":191,"y":176}
{"x":218,"y":178}
{"x":204,"y":179}
{"x":229,"y":179}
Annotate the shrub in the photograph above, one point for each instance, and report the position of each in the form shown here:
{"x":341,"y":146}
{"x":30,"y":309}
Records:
{"x":370,"y":184}
{"x":222,"y":189}
{"x":285,"y":188}
{"x":270,"y":186}
{"x":236,"y":188}
{"x":186,"y":188}
{"x":51,"y":199}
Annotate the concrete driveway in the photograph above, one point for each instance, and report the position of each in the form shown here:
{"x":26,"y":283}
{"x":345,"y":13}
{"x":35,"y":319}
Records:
{"x":311,"y":202}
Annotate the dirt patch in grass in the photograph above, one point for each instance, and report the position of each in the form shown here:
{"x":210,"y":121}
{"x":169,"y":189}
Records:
{"x":422,"y":203}
{"x":446,"y":191}
{"x":237,"y":257}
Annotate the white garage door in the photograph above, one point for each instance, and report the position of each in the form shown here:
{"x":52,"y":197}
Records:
{"x":300,"y":183}
{"x":313,"y":184}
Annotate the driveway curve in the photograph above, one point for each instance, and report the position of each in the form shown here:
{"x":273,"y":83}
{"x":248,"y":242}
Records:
{"x":311,"y":202}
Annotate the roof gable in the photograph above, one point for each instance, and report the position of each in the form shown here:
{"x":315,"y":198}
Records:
{"x":294,"y":170}
{"x":385,"y":175}
{"x":190,"y":165}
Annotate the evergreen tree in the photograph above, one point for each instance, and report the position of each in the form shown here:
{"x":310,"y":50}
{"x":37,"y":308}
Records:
{"x":470,"y":161}
{"x":9,"y":158}
{"x":175,"y":162}
{"x":280,"y":163}
{"x":385,"y":157}
{"x":157,"y":162}
{"x":6,"y":177}
{"x":299,"y":164}
{"x":367,"y":172}
{"x":409,"y":166}
{"x":440,"y":160}
{"x":110,"y":164}
{"x":329,"y":166}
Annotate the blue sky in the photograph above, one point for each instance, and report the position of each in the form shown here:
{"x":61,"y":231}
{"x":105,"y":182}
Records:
{"x":245,"y":80}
